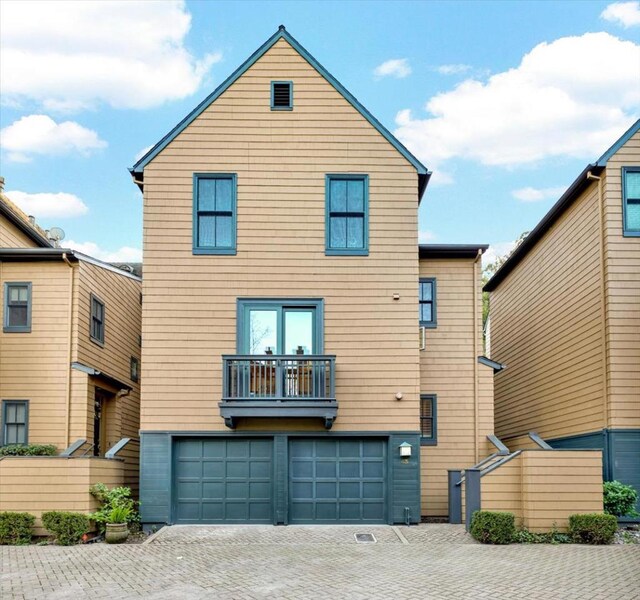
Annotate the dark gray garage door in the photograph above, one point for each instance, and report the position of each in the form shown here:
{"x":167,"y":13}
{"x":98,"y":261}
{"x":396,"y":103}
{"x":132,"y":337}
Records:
{"x":223,"y":481}
{"x":337,"y":480}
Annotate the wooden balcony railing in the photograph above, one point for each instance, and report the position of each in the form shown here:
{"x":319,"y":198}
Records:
{"x":278,"y":377}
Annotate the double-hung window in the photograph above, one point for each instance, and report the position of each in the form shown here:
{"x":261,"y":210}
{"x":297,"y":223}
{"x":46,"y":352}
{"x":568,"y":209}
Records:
{"x":15,"y":419}
{"x":214,"y":213}
{"x":428,"y":422}
{"x":427,"y":302}
{"x":631,"y":201}
{"x":97,"y":320}
{"x":17,"y":307}
{"x":347,"y":214}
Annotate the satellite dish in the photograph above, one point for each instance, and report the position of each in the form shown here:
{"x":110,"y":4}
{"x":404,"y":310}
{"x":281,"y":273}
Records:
{"x":56,"y":234}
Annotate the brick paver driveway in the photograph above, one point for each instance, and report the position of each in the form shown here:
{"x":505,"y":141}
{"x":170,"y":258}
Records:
{"x":429,"y":561}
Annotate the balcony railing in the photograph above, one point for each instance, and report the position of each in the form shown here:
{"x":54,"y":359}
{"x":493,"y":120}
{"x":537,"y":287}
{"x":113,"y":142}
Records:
{"x":278,"y":377}
{"x":278,"y":386}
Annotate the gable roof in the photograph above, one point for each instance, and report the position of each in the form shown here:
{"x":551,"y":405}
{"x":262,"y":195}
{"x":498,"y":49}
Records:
{"x":572,"y":193}
{"x":137,"y":171}
{"x":21,"y":221}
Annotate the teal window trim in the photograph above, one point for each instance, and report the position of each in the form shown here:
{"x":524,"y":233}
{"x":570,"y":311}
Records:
{"x":329,"y":250}
{"x":244,"y":305}
{"x":3,"y":430}
{"x":231,"y":249}
{"x":429,"y":440}
{"x":433,"y":323}
{"x":97,"y":333}
{"x":290,"y":106}
{"x":8,"y":286}
{"x":626,"y":200}
{"x":135,"y":369}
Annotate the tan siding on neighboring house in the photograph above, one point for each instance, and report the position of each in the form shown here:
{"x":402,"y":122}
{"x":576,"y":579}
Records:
{"x":623,"y":296}
{"x":547,"y":327}
{"x":12,"y":237}
{"x":448,"y":367}
{"x":34,"y":366}
{"x":281,"y":159}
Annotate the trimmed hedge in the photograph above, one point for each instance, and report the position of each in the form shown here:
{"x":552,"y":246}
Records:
{"x":16,"y":528}
{"x":592,"y":528}
{"x":493,"y":527}
{"x":29,"y":450}
{"x":67,"y":527}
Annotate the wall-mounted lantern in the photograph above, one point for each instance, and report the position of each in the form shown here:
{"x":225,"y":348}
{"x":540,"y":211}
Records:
{"x":405,"y":452}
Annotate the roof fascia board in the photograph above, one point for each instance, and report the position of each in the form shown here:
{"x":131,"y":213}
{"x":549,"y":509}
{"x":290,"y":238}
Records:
{"x":451,"y":250}
{"x":139,"y":166}
{"x":624,"y":138}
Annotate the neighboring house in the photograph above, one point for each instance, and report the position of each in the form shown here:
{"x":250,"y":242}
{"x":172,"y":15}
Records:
{"x":69,"y":369}
{"x":283,"y":376}
{"x":565,"y":318}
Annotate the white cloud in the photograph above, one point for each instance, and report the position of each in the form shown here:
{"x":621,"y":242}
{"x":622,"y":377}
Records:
{"x":122,"y":254}
{"x":426,"y":237}
{"x":495,"y":251}
{"x":530,"y":194}
{"x":626,"y":14}
{"x":452,"y":69}
{"x":571,"y":97}
{"x":58,"y":205}
{"x":142,"y":152}
{"x":76,"y":55}
{"x":396,"y":67}
{"x":40,"y":134}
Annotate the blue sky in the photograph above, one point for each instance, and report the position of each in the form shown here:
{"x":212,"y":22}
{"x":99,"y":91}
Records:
{"x":505,"y":101}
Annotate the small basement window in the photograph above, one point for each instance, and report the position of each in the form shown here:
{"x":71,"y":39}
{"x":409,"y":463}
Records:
{"x":281,"y":95}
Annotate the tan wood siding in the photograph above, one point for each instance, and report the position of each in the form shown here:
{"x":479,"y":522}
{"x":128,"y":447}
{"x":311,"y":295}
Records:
{"x":281,"y":159}
{"x":623,"y":296}
{"x":34,"y":366}
{"x":546,"y":325}
{"x":12,"y":237}
{"x":502,"y":489}
{"x":39,"y":484}
{"x":448,"y":367}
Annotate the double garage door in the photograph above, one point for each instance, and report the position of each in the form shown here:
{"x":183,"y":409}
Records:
{"x":328,"y":480}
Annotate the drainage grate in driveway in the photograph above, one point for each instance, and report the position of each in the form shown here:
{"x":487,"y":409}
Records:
{"x":365,"y":538}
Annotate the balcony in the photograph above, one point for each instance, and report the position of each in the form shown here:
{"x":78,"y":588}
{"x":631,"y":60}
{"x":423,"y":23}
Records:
{"x":278,"y":386}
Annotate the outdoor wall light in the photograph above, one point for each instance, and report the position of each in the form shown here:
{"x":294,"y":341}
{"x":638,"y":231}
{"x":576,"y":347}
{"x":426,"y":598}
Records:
{"x":399,"y":396}
{"x":405,"y":451}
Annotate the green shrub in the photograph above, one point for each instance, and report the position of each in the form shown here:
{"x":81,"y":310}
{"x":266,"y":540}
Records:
{"x":118,"y":497}
{"x":28,"y":450}
{"x":619,"y":499}
{"x":493,"y":527}
{"x":67,"y":527}
{"x":524,"y":536}
{"x":16,"y":528}
{"x":592,"y":528}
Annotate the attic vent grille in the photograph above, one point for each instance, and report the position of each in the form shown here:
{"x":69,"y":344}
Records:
{"x":281,"y":95}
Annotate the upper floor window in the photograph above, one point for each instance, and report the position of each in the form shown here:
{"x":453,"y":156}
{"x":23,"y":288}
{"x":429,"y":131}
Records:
{"x":631,"y":200}
{"x":135,"y":369}
{"x":97,"y":320}
{"x":17,"y":307}
{"x":427,"y":301}
{"x":428,"y":422}
{"x":347,"y":214}
{"x":214,"y":213}
{"x":15,"y":419}
{"x":281,"y":95}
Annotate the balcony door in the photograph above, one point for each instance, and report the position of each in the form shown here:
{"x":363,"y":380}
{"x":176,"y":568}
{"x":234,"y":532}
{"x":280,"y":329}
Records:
{"x":277,"y":329}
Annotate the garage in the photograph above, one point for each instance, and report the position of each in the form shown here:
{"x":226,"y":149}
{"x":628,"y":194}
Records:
{"x":223,"y":480}
{"x":337,"y":480}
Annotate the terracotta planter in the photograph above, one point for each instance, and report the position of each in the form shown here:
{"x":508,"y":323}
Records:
{"x":116,"y":533}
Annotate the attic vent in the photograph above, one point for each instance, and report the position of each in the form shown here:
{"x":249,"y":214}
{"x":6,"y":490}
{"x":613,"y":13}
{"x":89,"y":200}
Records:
{"x":281,"y":95}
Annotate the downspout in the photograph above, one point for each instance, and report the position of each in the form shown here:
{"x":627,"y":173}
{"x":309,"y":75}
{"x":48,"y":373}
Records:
{"x":69,"y":349}
{"x":476,"y":399}
{"x":603,"y":301}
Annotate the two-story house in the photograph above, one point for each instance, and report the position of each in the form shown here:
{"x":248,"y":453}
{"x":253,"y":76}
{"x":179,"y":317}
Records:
{"x":69,"y":369}
{"x":301,"y":355}
{"x":565,"y":318}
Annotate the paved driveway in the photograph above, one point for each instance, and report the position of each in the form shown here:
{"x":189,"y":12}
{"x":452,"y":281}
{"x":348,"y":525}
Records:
{"x":308,"y":562}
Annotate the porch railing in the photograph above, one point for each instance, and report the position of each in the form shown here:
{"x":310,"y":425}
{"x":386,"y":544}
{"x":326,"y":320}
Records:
{"x":278,"y":377}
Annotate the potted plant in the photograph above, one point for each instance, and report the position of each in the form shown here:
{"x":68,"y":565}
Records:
{"x":117,"y":529}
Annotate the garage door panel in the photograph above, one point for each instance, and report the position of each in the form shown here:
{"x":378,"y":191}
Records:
{"x":337,"y":481}
{"x":223,"y":481}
